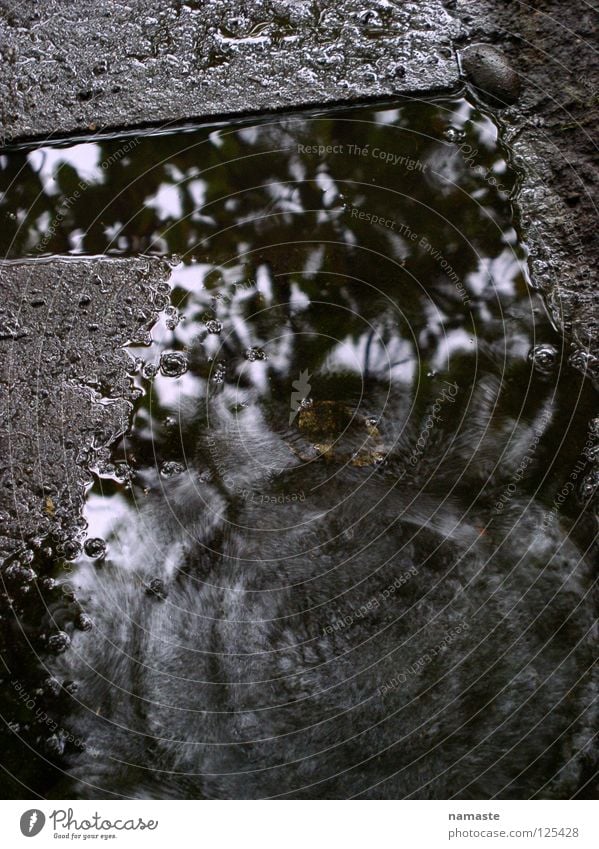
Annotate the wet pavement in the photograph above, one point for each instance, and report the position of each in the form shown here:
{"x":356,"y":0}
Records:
{"x":71,"y":69}
{"x":63,"y":385}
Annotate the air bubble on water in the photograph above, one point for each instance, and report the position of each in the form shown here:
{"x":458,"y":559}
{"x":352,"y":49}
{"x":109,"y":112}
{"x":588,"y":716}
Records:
{"x":150,"y":370}
{"x":583,"y":361}
{"x":26,"y":557}
{"x":84,"y":622}
{"x":172,"y":317}
{"x":589,"y":485}
{"x":55,"y":745}
{"x":173,"y":364}
{"x":143,"y":339}
{"x":71,"y":549}
{"x":171,"y":468}
{"x":136,"y":365}
{"x":51,"y":687}
{"x":18,"y":574}
{"x":59,"y":642}
{"x":213,"y":325}
{"x":123,"y":472}
{"x":95,"y":547}
{"x":452,"y":134}
{"x":219,"y":373}
{"x":253,"y":354}
{"x":544,"y":358}
{"x":157,"y":589}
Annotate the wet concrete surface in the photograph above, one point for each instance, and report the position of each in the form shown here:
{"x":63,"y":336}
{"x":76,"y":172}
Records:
{"x":73,"y":68}
{"x":64,"y":389}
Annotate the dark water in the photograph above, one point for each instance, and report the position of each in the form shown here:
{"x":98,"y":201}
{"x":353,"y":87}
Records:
{"x":347,"y":547}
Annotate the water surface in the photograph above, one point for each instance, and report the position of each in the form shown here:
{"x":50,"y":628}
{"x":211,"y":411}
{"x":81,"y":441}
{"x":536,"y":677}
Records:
{"x":346,"y":547}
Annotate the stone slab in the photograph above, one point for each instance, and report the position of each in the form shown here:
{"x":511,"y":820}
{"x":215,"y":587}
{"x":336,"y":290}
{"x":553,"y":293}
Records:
{"x":64,"y":385}
{"x":70,"y":68}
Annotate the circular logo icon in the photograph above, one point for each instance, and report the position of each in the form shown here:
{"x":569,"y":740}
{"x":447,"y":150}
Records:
{"x":32,"y":822}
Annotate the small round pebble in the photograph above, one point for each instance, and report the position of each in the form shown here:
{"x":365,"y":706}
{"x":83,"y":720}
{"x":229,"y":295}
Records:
{"x":489,"y":71}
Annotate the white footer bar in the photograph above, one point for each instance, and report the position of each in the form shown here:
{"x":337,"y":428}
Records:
{"x":302,"y":824}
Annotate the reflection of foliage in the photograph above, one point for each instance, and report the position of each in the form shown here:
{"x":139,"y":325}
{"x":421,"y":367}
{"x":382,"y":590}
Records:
{"x":212,"y":192}
{"x":260,"y":198}
{"x":271,"y":242}
{"x":275,"y":250}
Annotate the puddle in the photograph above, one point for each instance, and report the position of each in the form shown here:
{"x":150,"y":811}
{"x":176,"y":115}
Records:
{"x":351,"y":528}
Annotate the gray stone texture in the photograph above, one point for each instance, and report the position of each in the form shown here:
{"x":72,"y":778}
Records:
{"x":64,"y":387}
{"x":74,"y":67}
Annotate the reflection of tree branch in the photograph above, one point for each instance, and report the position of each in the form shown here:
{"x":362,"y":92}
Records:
{"x":367,"y":354}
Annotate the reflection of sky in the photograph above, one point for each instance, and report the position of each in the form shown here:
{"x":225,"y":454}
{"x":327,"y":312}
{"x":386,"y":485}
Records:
{"x":370,"y":355}
{"x":84,"y":158}
{"x":167,"y":202}
{"x":387,"y":116}
{"x":267,"y":196}
{"x":372,"y":321}
{"x":105,"y":514}
{"x":456,"y":341}
{"x":174,"y":393}
{"x":495,"y":275}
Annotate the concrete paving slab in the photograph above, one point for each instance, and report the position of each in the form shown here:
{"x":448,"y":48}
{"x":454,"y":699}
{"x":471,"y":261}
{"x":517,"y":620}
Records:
{"x":71,"y":68}
{"x":64,"y":387}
